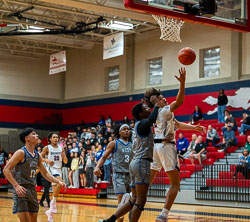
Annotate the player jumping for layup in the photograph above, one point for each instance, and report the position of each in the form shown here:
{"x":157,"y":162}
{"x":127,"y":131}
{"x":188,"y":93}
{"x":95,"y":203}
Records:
{"x":26,"y":161}
{"x":55,"y":157}
{"x":165,"y":153}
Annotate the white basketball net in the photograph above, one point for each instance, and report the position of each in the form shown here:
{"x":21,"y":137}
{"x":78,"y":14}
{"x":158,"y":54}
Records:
{"x":170,"y":28}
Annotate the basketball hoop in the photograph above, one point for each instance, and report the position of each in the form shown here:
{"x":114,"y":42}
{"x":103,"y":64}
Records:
{"x":170,"y":28}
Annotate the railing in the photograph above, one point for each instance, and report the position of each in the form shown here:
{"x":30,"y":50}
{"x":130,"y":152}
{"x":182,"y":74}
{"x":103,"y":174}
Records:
{"x":217,"y":182}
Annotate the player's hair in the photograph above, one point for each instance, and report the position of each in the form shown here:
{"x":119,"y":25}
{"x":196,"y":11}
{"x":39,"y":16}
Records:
{"x":117,"y":134}
{"x":137,"y":109}
{"x":151,"y":92}
{"x":25,"y":133}
{"x":50,"y":135}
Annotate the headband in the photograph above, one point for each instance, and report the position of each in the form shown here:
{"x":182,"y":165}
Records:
{"x":123,"y":126}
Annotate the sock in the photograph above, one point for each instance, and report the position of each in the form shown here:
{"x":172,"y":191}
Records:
{"x":164,"y":212}
{"x":111,"y":219}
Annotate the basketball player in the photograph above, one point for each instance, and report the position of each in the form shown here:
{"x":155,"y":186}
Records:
{"x":55,"y":157}
{"x":140,"y":165}
{"x":26,"y":161}
{"x":165,"y":153}
{"x":121,"y":150}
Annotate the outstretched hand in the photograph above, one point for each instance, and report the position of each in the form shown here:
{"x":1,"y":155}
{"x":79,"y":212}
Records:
{"x":200,"y":128}
{"x":182,"y":78}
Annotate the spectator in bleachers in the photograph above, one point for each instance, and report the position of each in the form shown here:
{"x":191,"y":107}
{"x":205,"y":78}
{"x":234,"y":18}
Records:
{"x":244,"y":165}
{"x":100,"y":139}
{"x":93,"y":139}
{"x":182,"y":144}
{"x":108,"y":133}
{"x":101,"y":121}
{"x":70,"y":172}
{"x":221,"y":105}
{"x":228,"y":139}
{"x":245,"y":124}
{"x":199,"y":151}
{"x":191,"y":146}
{"x":82,"y":171}
{"x":3,"y":156}
{"x":212,"y":136}
{"x":196,"y":115}
{"x":98,"y":156}
{"x":74,"y":147}
{"x":108,"y":120}
{"x":247,"y":145}
{"x":84,"y":133}
{"x":78,"y":132}
{"x":88,"y":134}
{"x":90,"y":165}
{"x":229,"y":120}
{"x":65,"y":166}
{"x":75,"y":170}
{"x":107,"y":169}
{"x":125,"y":120}
{"x":62,"y":142}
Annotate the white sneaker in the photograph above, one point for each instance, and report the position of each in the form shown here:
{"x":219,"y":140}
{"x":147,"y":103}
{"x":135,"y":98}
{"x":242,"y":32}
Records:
{"x":49,"y":215}
{"x":125,"y":198}
{"x":161,"y":218}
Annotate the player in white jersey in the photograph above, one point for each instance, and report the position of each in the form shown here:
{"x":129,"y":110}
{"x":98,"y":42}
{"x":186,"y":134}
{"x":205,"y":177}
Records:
{"x":56,"y":155}
{"x":165,"y":153}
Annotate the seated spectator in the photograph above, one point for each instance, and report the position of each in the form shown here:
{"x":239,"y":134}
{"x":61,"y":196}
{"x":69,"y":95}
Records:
{"x":125,"y":120}
{"x":228,"y":139}
{"x":93,"y":139}
{"x":212,"y":136}
{"x":244,"y":165}
{"x":197,"y":115}
{"x":245,"y":124}
{"x":182,"y":144}
{"x":84,"y":133}
{"x":199,"y":151}
{"x":247,"y":145}
{"x":191,"y":146}
{"x":229,"y":120}
{"x":101,"y":121}
{"x":108,"y":120}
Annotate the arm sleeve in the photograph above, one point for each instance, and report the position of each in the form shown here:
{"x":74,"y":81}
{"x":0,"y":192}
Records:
{"x":144,"y":126}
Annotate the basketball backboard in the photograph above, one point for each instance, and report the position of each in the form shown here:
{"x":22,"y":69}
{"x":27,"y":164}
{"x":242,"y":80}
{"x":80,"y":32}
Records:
{"x":231,"y":14}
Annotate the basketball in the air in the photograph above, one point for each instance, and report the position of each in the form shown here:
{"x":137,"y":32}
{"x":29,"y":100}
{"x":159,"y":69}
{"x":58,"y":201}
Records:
{"x":186,"y":56}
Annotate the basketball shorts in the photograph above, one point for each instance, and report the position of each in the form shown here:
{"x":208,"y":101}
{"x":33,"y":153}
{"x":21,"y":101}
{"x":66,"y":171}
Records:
{"x":121,"y":182}
{"x":26,"y":204}
{"x":165,"y":155}
{"x":139,"y":172}
{"x":56,"y":172}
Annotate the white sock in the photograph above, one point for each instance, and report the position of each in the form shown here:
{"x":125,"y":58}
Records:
{"x":164,"y":212}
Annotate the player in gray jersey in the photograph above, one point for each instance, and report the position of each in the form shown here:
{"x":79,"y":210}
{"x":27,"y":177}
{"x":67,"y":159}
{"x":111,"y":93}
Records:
{"x":26,"y":161}
{"x":165,"y":153}
{"x":121,"y":151}
{"x":140,"y":165}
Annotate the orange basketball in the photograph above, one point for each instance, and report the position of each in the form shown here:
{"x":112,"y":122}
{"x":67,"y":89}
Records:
{"x":186,"y":56}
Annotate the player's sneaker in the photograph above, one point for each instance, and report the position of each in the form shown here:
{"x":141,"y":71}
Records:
{"x":125,"y":198}
{"x":161,"y":218}
{"x":49,"y":215}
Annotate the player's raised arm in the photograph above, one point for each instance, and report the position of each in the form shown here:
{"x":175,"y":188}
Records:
{"x":181,"y":93}
{"x":18,"y":157}
{"x":185,"y":126}
{"x":110,"y":148}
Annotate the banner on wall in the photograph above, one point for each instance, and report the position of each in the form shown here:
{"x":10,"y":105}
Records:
{"x":57,"y":62}
{"x":113,"y":45}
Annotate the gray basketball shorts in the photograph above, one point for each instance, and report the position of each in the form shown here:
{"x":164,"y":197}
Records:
{"x":26,"y":204}
{"x":121,"y":182}
{"x":139,"y":172}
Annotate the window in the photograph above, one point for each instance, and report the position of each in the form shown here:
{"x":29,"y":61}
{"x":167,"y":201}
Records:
{"x":112,"y":83}
{"x":210,"y":62}
{"x":155,"y":71}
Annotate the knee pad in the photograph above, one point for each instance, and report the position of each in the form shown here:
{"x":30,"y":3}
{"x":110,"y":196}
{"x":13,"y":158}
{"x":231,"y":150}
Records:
{"x":140,"y":207}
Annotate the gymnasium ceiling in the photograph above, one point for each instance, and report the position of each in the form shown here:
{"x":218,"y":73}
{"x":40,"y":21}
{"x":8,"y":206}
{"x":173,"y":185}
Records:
{"x":64,"y":13}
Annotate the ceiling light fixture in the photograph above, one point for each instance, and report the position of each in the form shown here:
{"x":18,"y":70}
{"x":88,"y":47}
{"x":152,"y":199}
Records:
{"x":117,"y":25}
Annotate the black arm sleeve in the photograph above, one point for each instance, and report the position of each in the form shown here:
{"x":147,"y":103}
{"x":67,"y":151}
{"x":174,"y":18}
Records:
{"x":144,"y":126}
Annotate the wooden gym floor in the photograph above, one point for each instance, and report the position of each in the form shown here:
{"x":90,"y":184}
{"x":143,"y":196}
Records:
{"x":90,"y":210}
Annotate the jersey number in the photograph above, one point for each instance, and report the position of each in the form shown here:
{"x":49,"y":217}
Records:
{"x":126,"y":158}
{"x":32,"y":173}
{"x":56,"y":158}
